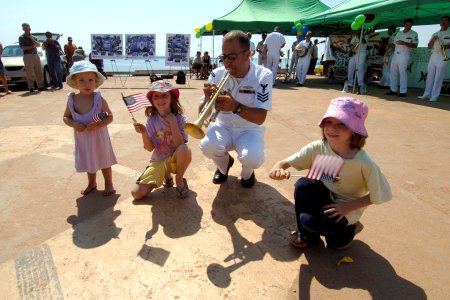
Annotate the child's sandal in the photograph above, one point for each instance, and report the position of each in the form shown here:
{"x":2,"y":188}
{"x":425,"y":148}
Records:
{"x":183,"y":192}
{"x":297,"y":241}
{"x":168,"y":182}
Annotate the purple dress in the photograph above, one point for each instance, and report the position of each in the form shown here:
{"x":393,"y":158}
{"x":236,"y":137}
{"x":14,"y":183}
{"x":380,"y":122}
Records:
{"x":93,"y":149}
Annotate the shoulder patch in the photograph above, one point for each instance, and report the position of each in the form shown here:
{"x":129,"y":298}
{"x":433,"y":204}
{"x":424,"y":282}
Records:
{"x":263,"y":96}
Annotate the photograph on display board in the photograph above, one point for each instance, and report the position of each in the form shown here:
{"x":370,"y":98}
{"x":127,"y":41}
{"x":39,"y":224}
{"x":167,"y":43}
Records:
{"x":140,"y":45}
{"x":107,"y":46}
{"x":177,"y":49}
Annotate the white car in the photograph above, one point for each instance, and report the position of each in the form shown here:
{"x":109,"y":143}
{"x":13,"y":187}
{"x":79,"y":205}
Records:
{"x":12,"y":58}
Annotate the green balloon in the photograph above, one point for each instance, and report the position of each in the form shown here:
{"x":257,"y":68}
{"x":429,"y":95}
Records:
{"x":355,"y":26}
{"x":299,"y":27}
{"x":198,"y":35}
{"x":360,"y":19}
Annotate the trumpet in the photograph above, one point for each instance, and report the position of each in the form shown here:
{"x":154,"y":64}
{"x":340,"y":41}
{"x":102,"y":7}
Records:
{"x":444,"y":53}
{"x":195,"y":129}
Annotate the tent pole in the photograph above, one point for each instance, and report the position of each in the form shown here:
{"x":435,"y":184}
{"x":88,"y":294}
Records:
{"x":213,"y":49}
{"x":357,"y":59}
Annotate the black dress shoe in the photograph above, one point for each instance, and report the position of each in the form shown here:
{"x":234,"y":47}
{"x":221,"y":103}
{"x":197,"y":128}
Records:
{"x":401,"y":95}
{"x":391,"y":93}
{"x":221,"y":178}
{"x":248,"y":183}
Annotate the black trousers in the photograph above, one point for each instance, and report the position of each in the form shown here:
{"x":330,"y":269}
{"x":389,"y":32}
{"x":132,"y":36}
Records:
{"x":310,"y":197}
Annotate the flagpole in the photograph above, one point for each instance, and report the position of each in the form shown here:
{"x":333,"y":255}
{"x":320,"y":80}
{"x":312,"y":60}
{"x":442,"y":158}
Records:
{"x":132,"y":117}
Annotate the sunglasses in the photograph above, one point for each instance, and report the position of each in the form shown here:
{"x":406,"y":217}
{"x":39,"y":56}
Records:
{"x":232,"y":56}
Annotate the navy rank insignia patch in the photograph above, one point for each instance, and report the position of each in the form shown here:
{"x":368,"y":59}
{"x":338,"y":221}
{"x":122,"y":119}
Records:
{"x":263,"y":96}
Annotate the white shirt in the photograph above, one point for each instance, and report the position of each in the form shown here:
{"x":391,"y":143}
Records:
{"x":362,"y":46}
{"x":444,"y":37}
{"x":274,"y":42}
{"x":252,"y":47}
{"x":254,"y":90}
{"x":308,"y":46}
{"x":408,"y":37}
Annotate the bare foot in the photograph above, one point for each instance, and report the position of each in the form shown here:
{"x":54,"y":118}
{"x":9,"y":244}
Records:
{"x":109,"y":191}
{"x":88,"y":189}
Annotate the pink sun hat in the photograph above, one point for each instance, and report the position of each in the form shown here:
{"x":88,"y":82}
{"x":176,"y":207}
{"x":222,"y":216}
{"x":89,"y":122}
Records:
{"x":350,"y":112}
{"x":162,"y":87}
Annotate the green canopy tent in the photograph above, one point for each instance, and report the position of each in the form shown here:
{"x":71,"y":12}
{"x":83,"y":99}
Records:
{"x":259,"y":16}
{"x":337,"y":20}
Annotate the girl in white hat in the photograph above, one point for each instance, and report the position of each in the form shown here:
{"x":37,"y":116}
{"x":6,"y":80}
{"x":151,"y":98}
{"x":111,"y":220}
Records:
{"x":89,"y":115}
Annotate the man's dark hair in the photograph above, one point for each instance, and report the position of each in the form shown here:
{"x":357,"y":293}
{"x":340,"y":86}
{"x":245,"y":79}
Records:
{"x":410,"y":20}
{"x":393,"y":27}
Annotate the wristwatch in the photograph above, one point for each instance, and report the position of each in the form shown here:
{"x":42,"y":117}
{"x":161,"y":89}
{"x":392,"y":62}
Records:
{"x":238,"y":109}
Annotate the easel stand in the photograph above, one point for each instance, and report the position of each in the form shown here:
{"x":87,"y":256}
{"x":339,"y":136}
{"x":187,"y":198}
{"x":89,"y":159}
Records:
{"x":149,"y":71}
{"x":115,"y":69}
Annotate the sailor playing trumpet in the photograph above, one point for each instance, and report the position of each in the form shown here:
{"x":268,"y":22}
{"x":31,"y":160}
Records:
{"x":440,"y":43}
{"x":238,"y":125}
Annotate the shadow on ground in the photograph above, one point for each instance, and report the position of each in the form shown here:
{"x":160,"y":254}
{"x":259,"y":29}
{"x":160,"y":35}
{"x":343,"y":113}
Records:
{"x":264,"y":206}
{"x":90,"y":231}
{"x":177,"y":217}
{"x":369,"y":271}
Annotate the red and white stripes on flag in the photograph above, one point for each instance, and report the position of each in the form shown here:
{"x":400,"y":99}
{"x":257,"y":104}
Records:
{"x":325,"y":167}
{"x":136,"y":102}
{"x":101,"y":116}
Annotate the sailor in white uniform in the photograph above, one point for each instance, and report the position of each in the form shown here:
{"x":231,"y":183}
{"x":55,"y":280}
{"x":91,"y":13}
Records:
{"x":440,"y":43}
{"x":359,"y":61}
{"x":303,"y":61}
{"x":272,"y":46}
{"x":404,"y":41}
{"x":238,"y":125}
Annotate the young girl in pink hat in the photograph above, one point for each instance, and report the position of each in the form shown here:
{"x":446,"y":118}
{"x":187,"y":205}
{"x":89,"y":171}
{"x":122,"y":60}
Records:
{"x":165,"y":137}
{"x":332,"y":208}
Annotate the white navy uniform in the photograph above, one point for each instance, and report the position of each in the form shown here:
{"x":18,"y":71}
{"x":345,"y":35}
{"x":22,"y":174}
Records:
{"x":400,"y":60}
{"x":361,"y":62}
{"x":386,"y":73}
{"x":437,"y":66}
{"x":274,"y":41}
{"x":230,"y":131}
{"x":303,"y":62}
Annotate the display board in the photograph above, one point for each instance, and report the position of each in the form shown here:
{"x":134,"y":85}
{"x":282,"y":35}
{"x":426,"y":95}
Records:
{"x":140,"y":46}
{"x":107,"y":46}
{"x":178,"y":49}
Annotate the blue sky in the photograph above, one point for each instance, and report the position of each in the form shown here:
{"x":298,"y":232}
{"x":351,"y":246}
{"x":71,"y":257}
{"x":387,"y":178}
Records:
{"x":81,"y":18}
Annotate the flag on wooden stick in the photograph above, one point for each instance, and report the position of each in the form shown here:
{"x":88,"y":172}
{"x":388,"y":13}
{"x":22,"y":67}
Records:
{"x":136,"y":102}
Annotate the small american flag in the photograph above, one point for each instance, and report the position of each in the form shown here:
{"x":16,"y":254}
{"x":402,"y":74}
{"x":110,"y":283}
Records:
{"x":101,"y":116}
{"x":136,"y":102}
{"x":325,"y":168}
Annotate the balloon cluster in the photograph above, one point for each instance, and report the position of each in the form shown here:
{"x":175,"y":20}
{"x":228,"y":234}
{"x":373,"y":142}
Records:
{"x":361,"y":19}
{"x":299,"y":30}
{"x":200,"y":31}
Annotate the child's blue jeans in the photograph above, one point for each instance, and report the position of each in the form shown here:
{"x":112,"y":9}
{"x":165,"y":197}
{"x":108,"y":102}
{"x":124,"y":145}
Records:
{"x":310,"y":197}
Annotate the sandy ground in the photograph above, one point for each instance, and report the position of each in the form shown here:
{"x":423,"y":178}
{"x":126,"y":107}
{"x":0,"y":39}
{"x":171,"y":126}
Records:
{"x":223,"y":242}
